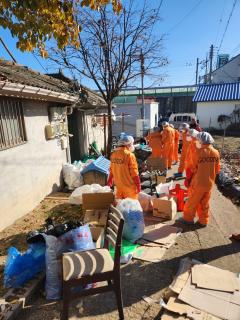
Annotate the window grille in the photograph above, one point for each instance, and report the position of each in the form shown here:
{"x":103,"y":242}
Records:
{"x":12,"y":128}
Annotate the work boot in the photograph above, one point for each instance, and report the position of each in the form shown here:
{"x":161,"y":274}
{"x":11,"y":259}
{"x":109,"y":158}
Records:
{"x":178,"y":175}
{"x":182,"y":220}
{"x":201,"y":225}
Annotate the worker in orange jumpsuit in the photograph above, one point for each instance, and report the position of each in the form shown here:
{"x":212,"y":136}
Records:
{"x":176,"y":142}
{"x":155,"y":142}
{"x":191,"y":157}
{"x":185,"y":145}
{"x":207,"y":167}
{"x":124,"y":169}
{"x":167,"y":144}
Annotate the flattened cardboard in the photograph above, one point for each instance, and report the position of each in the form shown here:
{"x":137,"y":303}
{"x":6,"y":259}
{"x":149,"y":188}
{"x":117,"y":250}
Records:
{"x":96,"y":201}
{"x":97,"y":236}
{"x":96,"y":217}
{"x":177,"y":306}
{"x":164,"y":234}
{"x":208,"y":277}
{"x":183,"y":273}
{"x":172,"y":317}
{"x":204,"y":299}
{"x":164,"y":208}
{"x":149,"y":254}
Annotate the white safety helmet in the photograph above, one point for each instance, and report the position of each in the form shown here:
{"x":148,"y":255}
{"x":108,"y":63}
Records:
{"x":193,"y":133}
{"x":165,"y":124}
{"x":205,"y":138}
{"x":125,"y":140}
{"x":171,"y":125}
{"x":184,"y":126}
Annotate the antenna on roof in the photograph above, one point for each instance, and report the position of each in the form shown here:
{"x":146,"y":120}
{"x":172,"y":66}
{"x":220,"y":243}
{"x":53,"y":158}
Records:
{"x":8,"y":51}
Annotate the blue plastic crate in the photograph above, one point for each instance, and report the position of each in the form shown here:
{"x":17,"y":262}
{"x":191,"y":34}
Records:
{"x":101,"y":165}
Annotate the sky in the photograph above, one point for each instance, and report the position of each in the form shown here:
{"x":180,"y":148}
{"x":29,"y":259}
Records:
{"x":189,"y":28}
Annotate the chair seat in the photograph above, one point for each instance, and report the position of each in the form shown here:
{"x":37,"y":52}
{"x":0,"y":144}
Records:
{"x":84,"y":263}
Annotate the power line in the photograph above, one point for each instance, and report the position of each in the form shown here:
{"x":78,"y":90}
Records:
{"x":228,"y":21}
{"x":39,"y":62}
{"x":186,"y":16}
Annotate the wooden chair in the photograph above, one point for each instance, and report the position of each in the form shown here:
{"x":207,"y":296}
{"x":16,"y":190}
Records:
{"x":86,"y":267}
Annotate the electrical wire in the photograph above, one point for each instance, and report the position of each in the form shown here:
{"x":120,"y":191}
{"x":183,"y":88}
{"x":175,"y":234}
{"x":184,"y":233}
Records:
{"x":186,"y":16}
{"x":220,"y":21}
{"x":228,"y":21}
{"x":39,"y":62}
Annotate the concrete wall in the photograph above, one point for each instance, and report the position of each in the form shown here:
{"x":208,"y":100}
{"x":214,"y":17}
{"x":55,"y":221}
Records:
{"x":134,"y":111}
{"x":208,"y":112}
{"x":230,"y":72}
{"x":31,"y":171}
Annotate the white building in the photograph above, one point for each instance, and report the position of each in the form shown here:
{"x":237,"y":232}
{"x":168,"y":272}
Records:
{"x":214,"y":100}
{"x":230,"y":72}
{"x":128,"y":113}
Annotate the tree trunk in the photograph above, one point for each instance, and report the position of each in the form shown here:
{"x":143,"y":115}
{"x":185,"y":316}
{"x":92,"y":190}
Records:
{"x":109,"y":144}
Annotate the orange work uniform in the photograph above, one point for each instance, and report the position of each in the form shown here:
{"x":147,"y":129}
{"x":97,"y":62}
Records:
{"x":207,"y":167}
{"x":191,"y":156}
{"x":155,"y":142}
{"x":176,"y":142}
{"x":124,"y":168}
{"x":185,"y":146}
{"x":167,"y":145}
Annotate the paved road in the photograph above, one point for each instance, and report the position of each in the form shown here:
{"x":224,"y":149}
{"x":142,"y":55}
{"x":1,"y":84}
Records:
{"x":209,"y":245}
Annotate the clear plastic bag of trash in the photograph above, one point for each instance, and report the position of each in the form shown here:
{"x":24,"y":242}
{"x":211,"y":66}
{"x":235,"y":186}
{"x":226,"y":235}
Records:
{"x":145,"y":202}
{"x":76,"y":196}
{"x":134,"y":222}
{"x":72,"y":174}
{"x":163,"y":188}
{"x":20,"y":268}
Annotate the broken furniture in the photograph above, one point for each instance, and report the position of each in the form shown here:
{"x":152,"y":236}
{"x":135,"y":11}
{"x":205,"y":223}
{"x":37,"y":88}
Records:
{"x":87,"y":267}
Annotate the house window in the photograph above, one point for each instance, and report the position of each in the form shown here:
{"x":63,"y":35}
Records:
{"x":12,"y":128}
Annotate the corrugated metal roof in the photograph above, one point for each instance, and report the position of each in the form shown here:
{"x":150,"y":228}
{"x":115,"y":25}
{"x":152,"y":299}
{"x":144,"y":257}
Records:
{"x":217,"y":92}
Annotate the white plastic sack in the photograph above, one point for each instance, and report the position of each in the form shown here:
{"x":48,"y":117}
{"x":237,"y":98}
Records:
{"x":145,"y":202}
{"x":72,"y":175}
{"x":165,"y":187}
{"x":76,"y":196}
{"x":134,"y":222}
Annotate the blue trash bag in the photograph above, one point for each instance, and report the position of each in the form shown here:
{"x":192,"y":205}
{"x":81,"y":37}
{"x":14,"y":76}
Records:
{"x":82,"y":238}
{"x":20,"y":268}
{"x":134,"y":222}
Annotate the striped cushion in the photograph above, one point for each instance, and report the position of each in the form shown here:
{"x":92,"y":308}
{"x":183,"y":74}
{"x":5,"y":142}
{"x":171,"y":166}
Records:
{"x":79,"y":264}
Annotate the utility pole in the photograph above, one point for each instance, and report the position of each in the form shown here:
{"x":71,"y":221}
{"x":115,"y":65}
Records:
{"x":206,"y":69}
{"x":142,"y":84}
{"x":211,"y":61}
{"x":8,"y":51}
{"x":196,"y":81}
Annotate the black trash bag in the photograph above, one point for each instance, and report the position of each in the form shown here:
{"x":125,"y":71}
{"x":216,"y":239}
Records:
{"x":142,"y":152}
{"x":52,"y":230}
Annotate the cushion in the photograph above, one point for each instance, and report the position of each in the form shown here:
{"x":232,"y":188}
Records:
{"x":79,"y":264}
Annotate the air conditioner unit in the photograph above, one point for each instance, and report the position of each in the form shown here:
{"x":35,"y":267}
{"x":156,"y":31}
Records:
{"x":142,"y":126}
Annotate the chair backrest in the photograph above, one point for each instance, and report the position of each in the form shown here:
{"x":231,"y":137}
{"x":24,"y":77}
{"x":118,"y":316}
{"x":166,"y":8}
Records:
{"x":113,"y":234}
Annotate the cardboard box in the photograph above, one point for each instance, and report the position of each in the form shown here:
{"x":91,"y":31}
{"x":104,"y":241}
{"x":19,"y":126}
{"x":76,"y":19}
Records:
{"x":96,"y":207}
{"x":96,"y":217}
{"x":161,"y":179}
{"x":156,"y":164}
{"x":91,"y":177}
{"x":165,"y":208}
{"x":96,"y":201}
{"x":98,"y":236}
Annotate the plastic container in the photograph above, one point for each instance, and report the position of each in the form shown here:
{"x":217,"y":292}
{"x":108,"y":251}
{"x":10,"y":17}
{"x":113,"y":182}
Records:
{"x":179,"y":194}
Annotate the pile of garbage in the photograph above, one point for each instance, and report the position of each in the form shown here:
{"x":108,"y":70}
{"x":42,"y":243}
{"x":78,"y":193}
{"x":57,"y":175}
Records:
{"x":46,"y":247}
